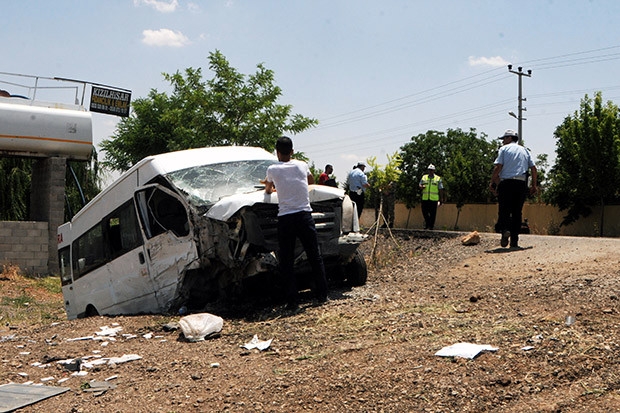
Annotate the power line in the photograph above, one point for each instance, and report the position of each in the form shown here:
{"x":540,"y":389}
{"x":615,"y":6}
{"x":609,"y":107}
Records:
{"x":402,"y":133}
{"x":422,"y":97}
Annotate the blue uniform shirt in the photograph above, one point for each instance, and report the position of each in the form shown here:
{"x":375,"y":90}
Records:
{"x":515,"y":161}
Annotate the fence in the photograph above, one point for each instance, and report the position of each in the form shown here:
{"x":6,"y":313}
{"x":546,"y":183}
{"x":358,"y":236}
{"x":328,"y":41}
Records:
{"x":542,"y":219}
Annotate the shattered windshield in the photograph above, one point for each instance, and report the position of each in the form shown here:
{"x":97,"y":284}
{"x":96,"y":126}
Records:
{"x":204,"y":185}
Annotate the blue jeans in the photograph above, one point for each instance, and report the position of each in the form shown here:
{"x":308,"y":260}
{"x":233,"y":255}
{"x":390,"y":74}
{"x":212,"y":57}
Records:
{"x":300,"y":225}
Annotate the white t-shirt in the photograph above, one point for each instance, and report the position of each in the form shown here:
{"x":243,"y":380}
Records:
{"x":291,"y":182}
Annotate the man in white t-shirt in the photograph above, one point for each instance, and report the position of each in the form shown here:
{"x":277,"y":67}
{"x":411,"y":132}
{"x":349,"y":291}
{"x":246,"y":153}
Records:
{"x":290,"y":178}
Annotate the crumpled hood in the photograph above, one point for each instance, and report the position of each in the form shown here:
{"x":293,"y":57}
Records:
{"x":226,"y":207}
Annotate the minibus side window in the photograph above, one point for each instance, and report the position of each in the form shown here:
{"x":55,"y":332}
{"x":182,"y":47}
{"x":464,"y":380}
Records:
{"x":163,"y":213}
{"x":88,"y":251}
{"x":117,"y":234}
{"x":122,"y":230}
{"x":64,"y":259}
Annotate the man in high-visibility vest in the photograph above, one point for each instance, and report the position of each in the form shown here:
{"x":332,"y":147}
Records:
{"x":432,"y":196}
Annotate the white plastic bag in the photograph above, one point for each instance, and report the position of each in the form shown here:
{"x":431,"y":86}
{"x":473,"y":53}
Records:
{"x":196,"y":327}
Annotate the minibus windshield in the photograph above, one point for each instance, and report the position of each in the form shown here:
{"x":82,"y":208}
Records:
{"x":204,"y":185}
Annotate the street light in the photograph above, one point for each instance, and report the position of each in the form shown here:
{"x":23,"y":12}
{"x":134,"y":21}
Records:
{"x":519,"y":72}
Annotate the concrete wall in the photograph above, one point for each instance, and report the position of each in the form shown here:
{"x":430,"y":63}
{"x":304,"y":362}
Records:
{"x":33,"y":245}
{"x":25,"y":244}
{"x":543,"y":219}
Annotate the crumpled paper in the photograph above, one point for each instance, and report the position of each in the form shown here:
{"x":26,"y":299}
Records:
{"x":465,"y":350}
{"x":256,"y":343}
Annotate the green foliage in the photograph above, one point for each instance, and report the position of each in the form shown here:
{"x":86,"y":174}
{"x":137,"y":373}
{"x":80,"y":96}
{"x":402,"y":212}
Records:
{"x":15,"y":179}
{"x":587,"y":165}
{"x":542,"y":167}
{"x":15,"y":188}
{"x":462,"y":159}
{"x":89,"y":177}
{"x":383,"y":181}
{"x":384,"y":177}
{"x":229,"y":109}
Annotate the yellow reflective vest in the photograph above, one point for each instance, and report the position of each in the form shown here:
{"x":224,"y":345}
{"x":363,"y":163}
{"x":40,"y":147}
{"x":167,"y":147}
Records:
{"x":431,"y":191}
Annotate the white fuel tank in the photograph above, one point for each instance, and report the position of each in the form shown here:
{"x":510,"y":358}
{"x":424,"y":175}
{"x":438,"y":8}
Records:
{"x":33,"y":130}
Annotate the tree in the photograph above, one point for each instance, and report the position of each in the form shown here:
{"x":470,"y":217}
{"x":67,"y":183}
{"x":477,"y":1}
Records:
{"x":462,"y":159}
{"x":229,"y":109}
{"x":383,"y":182}
{"x":416,"y":155}
{"x":587,"y":167}
{"x":468,"y":168}
{"x":82,"y":184}
{"x":15,"y":188}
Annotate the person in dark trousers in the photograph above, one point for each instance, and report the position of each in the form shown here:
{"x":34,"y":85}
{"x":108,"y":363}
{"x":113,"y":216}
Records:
{"x":509,"y":183}
{"x":433,"y":195}
{"x":290,"y":178}
{"x":357,"y":182}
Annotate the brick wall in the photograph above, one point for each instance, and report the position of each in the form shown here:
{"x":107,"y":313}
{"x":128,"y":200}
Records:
{"x":25,"y":244}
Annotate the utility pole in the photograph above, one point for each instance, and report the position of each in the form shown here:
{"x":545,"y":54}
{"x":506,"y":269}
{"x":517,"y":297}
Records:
{"x":519,"y":72}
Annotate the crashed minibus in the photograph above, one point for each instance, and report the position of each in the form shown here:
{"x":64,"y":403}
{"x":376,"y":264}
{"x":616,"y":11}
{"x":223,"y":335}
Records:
{"x":186,"y":229}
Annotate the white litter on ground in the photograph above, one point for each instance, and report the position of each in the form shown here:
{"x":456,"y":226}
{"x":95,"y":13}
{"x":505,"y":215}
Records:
{"x":256,"y":343}
{"x":465,"y":350}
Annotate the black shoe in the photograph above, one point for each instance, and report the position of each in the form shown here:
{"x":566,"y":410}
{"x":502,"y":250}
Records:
{"x":505,"y":239}
{"x":322,"y":299}
{"x":515,"y":248}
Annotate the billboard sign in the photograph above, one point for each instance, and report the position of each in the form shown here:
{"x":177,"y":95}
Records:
{"x":110,"y":101}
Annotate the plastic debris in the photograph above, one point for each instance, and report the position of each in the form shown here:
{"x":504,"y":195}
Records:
{"x":71,"y":364}
{"x":256,"y":343}
{"x":196,"y":327}
{"x":465,"y":350}
{"x":123,"y":359}
{"x":107,"y":331}
{"x":98,"y":387}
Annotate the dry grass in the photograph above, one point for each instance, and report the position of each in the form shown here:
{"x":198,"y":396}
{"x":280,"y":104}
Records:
{"x":28,"y":300}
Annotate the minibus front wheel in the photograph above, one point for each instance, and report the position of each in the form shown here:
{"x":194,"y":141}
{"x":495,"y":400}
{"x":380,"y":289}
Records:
{"x":91,"y":311}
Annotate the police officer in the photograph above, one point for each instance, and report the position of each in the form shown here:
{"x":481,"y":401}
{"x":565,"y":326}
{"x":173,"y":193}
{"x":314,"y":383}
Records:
{"x":509,"y":183}
{"x":358,"y":184}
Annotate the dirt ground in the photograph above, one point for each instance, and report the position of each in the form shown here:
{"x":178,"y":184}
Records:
{"x":369,"y":349}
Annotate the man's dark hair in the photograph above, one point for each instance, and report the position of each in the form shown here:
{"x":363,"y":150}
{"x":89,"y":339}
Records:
{"x":284,"y":145}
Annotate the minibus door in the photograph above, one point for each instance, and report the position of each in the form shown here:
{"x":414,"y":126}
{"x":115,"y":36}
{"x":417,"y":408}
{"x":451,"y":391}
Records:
{"x":169,"y":248}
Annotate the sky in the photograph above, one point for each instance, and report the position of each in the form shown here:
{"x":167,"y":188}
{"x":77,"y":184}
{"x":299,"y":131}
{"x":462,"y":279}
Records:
{"x":373,"y":73}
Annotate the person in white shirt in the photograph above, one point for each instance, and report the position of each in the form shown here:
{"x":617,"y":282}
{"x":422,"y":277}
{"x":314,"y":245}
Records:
{"x":358,"y":184}
{"x":290,"y":178}
{"x":509,"y":183}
